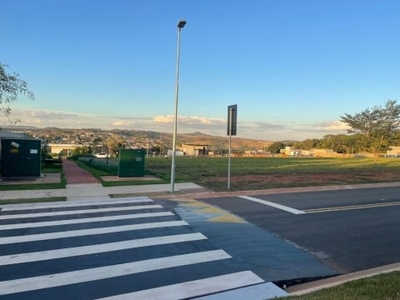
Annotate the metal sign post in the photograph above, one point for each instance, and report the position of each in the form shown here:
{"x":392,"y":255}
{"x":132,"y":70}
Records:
{"x":229,"y":164}
{"x":232,"y":117}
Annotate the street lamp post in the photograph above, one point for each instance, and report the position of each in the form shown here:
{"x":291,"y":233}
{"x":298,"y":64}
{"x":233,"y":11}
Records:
{"x":181,"y":24}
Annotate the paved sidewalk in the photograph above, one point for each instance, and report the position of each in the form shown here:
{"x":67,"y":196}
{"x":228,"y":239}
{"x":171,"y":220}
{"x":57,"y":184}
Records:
{"x":76,"y":175}
{"x":97,"y":191}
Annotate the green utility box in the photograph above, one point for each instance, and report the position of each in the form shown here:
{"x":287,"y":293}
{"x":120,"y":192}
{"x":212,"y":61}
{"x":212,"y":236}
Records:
{"x":20,"y":157}
{"x":131,"y":163}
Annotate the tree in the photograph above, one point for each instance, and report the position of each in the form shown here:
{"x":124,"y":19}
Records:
{"x":339,"y":143}
{"x":396,"y":141}
{"x":306,"y":144}
{"x":11,"y":86}
{"x":377,"y":126}
{"x":82,"y":150}
{"x":276,"y":147}
{"x":114,"y":142}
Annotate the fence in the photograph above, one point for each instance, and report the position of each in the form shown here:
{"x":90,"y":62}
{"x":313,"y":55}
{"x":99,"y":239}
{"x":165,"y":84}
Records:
{"x":106,"y":164}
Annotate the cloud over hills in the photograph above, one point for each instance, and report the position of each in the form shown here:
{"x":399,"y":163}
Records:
{"x":186,"y":124}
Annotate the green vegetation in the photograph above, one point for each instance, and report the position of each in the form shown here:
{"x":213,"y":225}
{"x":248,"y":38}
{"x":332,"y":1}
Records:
{"x":372,"y":130}
{"x":382,"y":287}
{"x":377,"y":126}
{"x":264,"y":173}
{"x":276,"y":147}
{"x":340,"y":143}
{"x":33,"y":200}
{"x":108,"y":166}
{"x":99,"y":170}
{"x":33,"y":186}
{"x":11,"y":86}
{"x":51,"y":168}
{"x":247,"y":173}
{"x":82,"y":151}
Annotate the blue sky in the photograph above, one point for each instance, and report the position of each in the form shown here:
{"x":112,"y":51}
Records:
{"x":293,"y":67}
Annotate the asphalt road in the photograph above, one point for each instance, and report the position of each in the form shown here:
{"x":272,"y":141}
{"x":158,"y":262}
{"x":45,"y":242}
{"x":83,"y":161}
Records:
{"x":141,"y":248}
{"x":127,"y":248}
{"x":348,"y":230}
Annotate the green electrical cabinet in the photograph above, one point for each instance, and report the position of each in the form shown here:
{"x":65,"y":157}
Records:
{"x":131,"y":163}
{"x":20,"y":157}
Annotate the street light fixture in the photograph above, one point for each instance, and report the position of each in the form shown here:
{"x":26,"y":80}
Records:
{"x":181,"y":24}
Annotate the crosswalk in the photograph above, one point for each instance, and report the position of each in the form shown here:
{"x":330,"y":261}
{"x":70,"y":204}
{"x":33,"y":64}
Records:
{"x":128,"y":248}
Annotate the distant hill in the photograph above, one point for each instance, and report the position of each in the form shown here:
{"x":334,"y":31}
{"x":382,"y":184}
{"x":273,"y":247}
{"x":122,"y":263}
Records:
{"x":217,"y":141}
{"x":142,"y":135}
{"x":17,"y":127}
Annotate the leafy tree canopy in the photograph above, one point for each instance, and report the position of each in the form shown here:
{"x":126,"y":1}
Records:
{"x":377,"y":125}
{"x":82,"y":150}
{"x":11,"y":86}
{"x":114,"y":142}
{"x":276,"y":147}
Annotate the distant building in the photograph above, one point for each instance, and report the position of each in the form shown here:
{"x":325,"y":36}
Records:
{"x":289,"y":151}
{"x":194,"y":149}
{"x":393,"y":152}
{"x":66,"y":148}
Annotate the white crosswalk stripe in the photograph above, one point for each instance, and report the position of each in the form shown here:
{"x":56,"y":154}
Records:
{"x":77,"y":203}
{"x":85,"y":220}
{"x":84,"y":232}
{"x":107,"y":247}
{"x":150,"y":255}
{"x":54,"y":280}
{"x":83,"y":211}
{"x":194,"y":288}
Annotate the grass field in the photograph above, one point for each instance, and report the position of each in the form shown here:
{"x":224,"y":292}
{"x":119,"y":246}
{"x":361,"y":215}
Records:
{"x":380,"y":287}
{"x":266,"y":173}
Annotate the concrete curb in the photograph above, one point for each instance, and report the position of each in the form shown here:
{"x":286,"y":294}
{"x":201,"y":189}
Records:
{"x":85,"y":190}
{"x":313,"y":286}
{"x":188,"y":190}
{"x":211,"y":194}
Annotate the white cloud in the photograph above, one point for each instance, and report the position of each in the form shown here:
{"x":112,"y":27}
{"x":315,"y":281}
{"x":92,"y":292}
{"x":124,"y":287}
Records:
{"x":186,"y":124}
{"x":192,"y":120}
{"x":201,"y":120}
{"x":121,"y":123}
{"x":337,"y":125}
{"x":164,"y":119}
